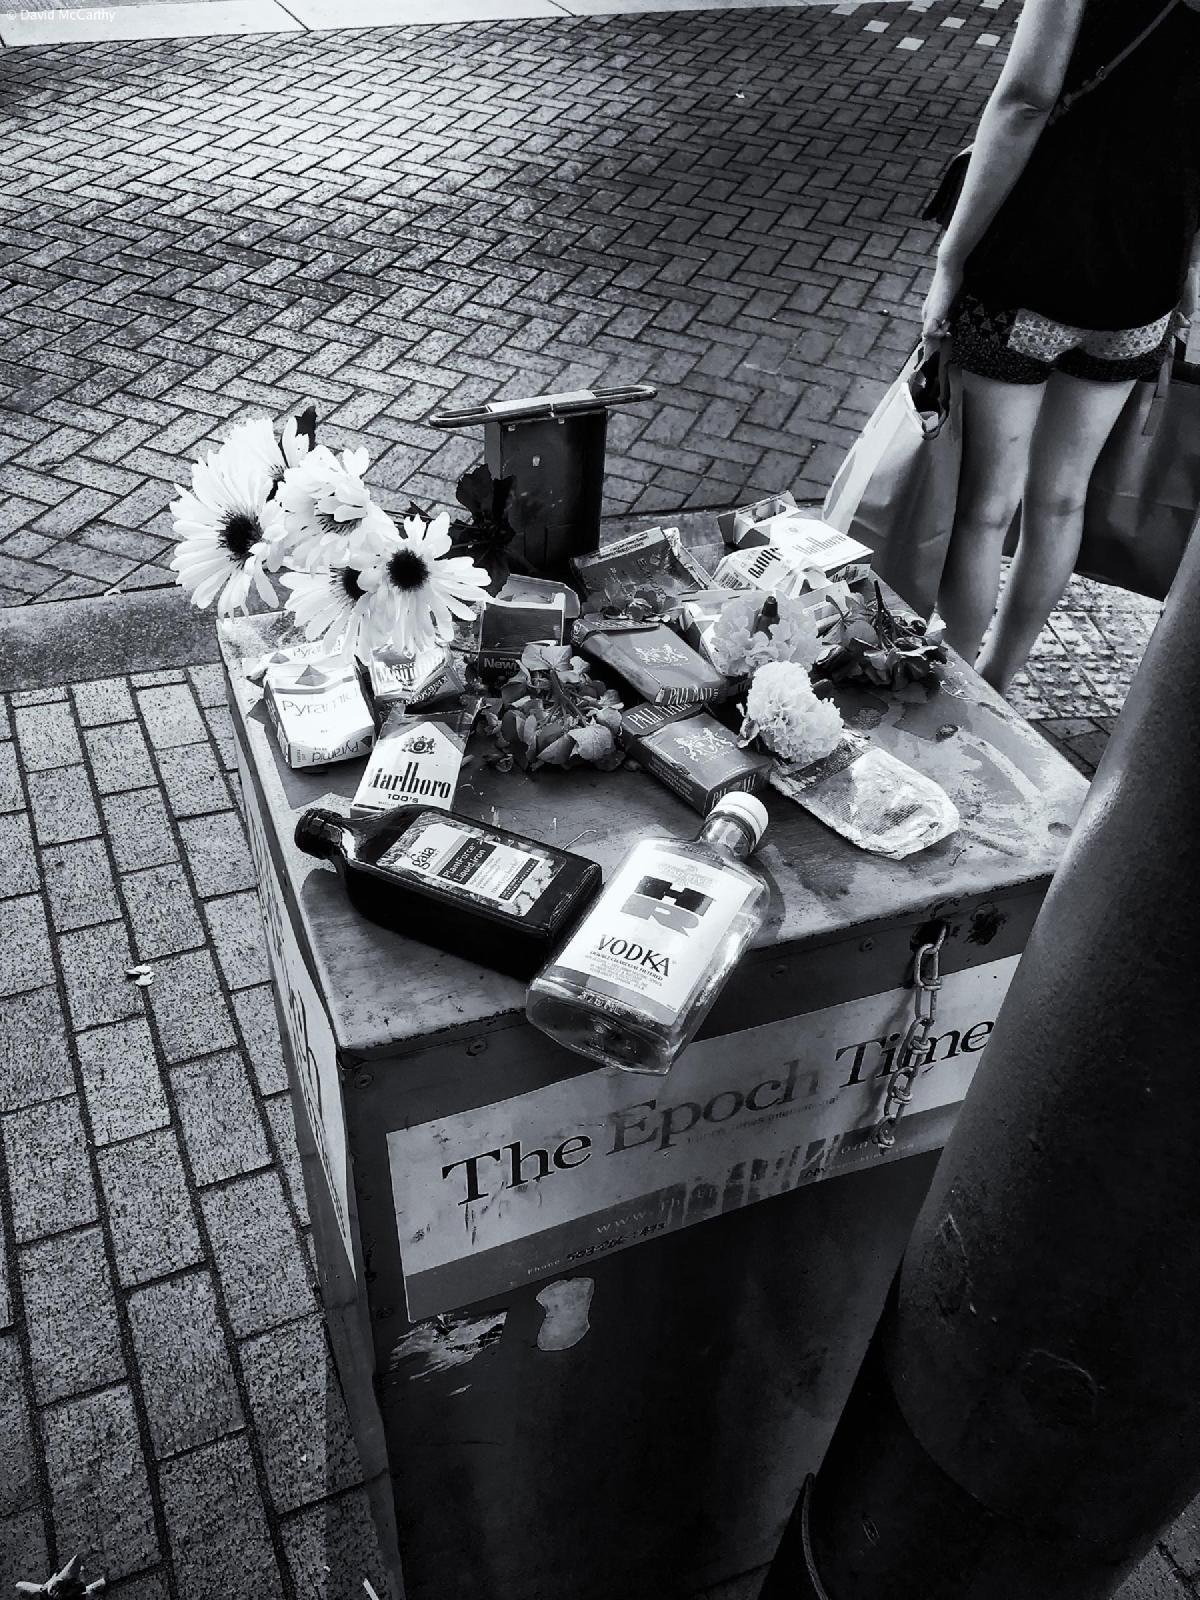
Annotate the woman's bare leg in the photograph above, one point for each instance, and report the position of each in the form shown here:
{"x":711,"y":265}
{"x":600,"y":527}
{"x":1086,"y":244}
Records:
{"x":998,"y":424}
{"x":1076,"y":418}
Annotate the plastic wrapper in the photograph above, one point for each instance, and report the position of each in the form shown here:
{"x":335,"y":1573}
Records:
{"x":651,"y":570}
{"x":735,"y":525}
{"x":875,"y":801}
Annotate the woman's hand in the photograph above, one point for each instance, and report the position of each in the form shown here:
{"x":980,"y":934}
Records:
{"x":943,"y":292}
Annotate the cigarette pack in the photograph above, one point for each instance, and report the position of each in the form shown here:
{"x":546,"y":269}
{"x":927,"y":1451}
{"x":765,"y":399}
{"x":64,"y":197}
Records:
{"x":654,"y":662}
{"x":430,"y":675}
{"x":736,"y":525}
{"x":526,"y":611}
{"x":416,"y":761}
{"x":776,"y":570}
{"x":320,"y":713}
{"x":653,"y":566}
{"x":695,"y":755}
{"x":813,"y":544}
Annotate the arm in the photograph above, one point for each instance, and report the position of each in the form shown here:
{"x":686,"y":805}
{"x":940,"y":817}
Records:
{"x":1017,"y":110}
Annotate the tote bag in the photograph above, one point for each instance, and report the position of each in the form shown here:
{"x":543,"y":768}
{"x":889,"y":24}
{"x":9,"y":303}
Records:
{"x":1145,"y":491}
{"x":896,"y":489}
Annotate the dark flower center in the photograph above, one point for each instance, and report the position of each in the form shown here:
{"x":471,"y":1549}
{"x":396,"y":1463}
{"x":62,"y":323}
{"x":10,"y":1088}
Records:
{"x":239,"y":534}
{"x":348,"y":578}
{"x":330,"y":524}
{"x":407,"y":570}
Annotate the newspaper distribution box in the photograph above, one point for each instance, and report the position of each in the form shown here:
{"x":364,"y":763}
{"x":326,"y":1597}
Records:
{"x":594,"y":1328}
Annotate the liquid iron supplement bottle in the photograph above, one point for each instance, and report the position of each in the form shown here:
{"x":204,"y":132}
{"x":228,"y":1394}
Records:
{"x":490,"y":896}
{"x":637,"y":977}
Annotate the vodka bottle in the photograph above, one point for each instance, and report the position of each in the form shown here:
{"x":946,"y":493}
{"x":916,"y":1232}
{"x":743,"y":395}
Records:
{"x":483,"y":893}
{"x":637,"y":977}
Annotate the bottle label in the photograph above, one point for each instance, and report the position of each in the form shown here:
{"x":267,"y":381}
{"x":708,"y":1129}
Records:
{"x":656,"y":931}
{"x":469,"y":861}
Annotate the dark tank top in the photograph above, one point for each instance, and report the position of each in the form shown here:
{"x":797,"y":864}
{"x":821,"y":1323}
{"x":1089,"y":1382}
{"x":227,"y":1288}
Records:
{"x":1098,"y":230}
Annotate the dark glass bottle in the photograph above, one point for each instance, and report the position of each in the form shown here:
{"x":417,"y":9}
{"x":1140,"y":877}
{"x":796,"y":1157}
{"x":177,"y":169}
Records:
{"x":482,"y":893}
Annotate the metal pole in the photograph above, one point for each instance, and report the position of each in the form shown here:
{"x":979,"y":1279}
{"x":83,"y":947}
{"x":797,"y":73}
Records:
{"x":1027,"y":1418}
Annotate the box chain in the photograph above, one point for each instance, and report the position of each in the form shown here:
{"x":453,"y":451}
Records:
{"x":927,"y":981}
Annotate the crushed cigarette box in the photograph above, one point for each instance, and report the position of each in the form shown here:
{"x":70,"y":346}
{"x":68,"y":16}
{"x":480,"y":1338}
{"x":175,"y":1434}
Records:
{"x":696,"y":756}
{"x":735,"y":525}
{"x":654,"y":566}
{"x":319,"y":715}
{"x":813,"y":544}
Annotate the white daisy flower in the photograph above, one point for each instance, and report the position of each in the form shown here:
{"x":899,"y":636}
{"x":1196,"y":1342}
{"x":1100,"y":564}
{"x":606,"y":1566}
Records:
{"x":253,"y":442}
{"x":329,"y":604}
{"x":326,"y":503}
{"x":226,"y":528}
{"x":417,"y":588}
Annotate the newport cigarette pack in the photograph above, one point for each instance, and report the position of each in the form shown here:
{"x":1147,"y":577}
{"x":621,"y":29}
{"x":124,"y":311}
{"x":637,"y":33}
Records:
{"x":320,"y":714}
{"x":694,"y":755}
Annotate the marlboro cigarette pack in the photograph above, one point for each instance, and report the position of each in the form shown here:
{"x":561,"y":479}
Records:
{"x":416,"y":761}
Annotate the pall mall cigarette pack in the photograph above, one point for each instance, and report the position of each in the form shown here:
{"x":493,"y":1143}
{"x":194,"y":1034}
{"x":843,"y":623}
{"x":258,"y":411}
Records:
{"x":693,"y":754}
{"x":320,"y":714}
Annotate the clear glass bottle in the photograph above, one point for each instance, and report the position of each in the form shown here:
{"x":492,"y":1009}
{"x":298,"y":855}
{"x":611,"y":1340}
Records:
{"x":637,"y":977}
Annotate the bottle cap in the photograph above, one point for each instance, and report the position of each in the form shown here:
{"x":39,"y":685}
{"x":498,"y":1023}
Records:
{"x":748,"y":809}
{"x":320,"y":832}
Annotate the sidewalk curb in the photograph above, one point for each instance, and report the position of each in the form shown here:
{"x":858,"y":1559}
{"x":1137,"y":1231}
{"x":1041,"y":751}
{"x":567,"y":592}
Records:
{"x":74,"y":641}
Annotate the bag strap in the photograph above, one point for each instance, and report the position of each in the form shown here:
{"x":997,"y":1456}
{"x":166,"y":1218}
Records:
{"x":1097,"y":78}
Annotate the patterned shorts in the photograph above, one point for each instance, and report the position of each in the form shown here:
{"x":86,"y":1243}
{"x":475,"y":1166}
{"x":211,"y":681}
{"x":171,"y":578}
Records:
{"x":1025,"y":347}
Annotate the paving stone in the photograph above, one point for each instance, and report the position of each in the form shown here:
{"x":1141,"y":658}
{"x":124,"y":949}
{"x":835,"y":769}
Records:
{"x":35,"y":1063}
{"x":98,"y":1483}
{"x":7,"y":1314}
{"x":145,"y":1586}
{"x":186,"y":1376}
{"x":119,"y":757}
{"x":332,"y":1547}
{"x":217,"y":1525}
{"x":38,"y":697}
{"x":220,"y":725}
{"x":236,"y":925}
{"x":217,"y":853}
{"x":258,"y":1253}
{"x":121,"y":1081}
{"x":18,"y":869}
{"x":138,"y":829}
{"x":12,"y":797}
{"x":94,"y":962}
{"x":47,"y":737}
{"x":255,"y":1011}
{"x":162,"y":912}
{"x":149,"y":1209}
{"x":283,"y":1130}
{"x":25,"y":960}
{"x":70,"y":1314}
{"x":194,"y":780}
{"x":1154,"y":1579}
{"x":299,"y":1415}
{"x":172,"y":716}
{"x":209,"y":683}
{"x":103,"y":700}
{"x":23,"y":1546}
{"x":79,"y":885}
{"x":50,"y":1177}
{"x":219,"y":1116}
{"x":149,"y":680}
{"x":189,"y":1008}
{"x":62,"y":805}
{"x":19,"y":1486}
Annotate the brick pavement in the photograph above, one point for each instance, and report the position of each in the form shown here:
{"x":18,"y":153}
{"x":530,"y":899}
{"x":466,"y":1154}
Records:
{"x":392,"y":222}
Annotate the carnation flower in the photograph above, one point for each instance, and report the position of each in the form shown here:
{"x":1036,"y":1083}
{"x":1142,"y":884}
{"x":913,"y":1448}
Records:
{"x":227,"y":529}
{"x":783,"y":711}
{"x":746,"y":635}
{"x":416,"y":588}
